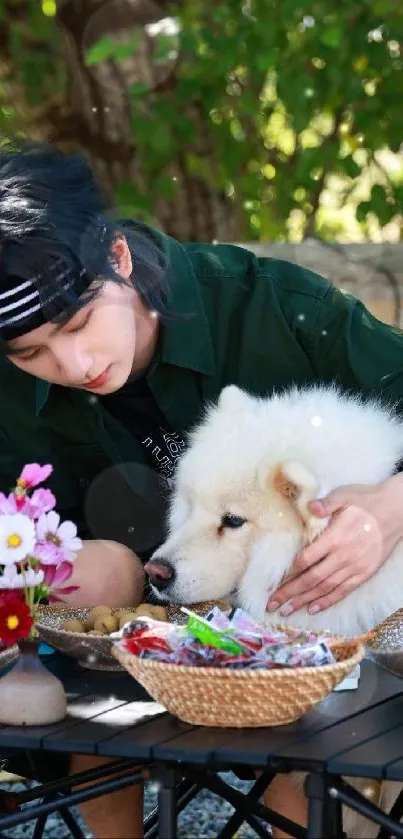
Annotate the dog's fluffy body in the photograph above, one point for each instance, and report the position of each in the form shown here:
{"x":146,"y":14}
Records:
{"x":263,"y":460}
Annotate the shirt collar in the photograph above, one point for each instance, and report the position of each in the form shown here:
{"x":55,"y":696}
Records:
{"x":186,"y":339}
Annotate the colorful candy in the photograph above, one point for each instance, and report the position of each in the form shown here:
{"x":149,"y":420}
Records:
{"x":219,"y":640}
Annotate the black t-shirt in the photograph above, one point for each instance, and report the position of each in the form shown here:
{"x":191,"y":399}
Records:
{"x":136,"y":408}
{"x":134,"y":405}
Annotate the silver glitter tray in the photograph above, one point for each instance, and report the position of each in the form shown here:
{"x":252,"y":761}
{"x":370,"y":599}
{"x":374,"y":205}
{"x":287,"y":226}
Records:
{"x":386,"y":648}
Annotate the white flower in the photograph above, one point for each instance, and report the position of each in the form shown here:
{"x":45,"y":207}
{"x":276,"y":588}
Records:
{"x":11,"y":578}
{"x":64,"y":535}
{"x":17,"y":538}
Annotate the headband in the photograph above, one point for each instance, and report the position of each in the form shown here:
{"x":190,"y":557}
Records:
{"x":27,"y":304}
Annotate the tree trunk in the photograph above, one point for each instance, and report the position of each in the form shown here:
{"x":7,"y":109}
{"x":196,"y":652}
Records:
{"x":98,"y":118}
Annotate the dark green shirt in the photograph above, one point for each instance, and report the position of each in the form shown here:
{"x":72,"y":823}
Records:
{"x":260,"y":323}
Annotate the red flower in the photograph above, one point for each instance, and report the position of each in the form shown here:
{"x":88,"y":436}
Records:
{"x":15,"y":618}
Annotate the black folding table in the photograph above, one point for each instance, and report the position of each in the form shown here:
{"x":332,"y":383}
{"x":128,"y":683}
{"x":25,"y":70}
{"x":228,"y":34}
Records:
{"x":351,"y":734}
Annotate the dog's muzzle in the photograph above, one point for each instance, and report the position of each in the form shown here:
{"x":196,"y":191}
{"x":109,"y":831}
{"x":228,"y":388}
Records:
{"x":160,"y":572}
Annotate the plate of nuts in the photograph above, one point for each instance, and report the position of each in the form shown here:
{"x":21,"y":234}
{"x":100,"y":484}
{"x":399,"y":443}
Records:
{"x":85,"y":633}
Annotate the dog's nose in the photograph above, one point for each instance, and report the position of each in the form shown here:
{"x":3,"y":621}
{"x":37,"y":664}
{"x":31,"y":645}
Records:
{"x":160,"y":572}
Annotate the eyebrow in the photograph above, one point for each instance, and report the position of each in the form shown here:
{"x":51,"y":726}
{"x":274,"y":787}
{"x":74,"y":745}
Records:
{"x":30,"y":347}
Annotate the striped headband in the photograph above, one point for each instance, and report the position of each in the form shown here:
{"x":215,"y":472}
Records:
{"x":26,"y":304}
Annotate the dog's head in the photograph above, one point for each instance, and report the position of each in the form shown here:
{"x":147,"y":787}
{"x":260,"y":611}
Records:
{"x":239,"y":511}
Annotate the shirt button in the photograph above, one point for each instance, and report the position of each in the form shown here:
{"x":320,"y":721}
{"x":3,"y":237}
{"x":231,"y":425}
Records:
{"x":83,"y":483}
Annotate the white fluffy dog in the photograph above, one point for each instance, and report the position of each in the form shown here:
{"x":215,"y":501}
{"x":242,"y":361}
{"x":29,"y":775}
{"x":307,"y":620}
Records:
{"x":239,"y":512}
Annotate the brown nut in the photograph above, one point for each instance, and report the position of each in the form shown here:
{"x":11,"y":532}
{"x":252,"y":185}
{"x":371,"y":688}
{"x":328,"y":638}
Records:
{"x":159,"y":613}
{"x":105,"y":624}
{"x":147,"y":610}
{"x":95,"y":613}
{"x":73,"y":626}
{"x":95,"y":632}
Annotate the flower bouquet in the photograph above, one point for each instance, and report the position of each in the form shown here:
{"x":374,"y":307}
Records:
{"x":37,"y":554}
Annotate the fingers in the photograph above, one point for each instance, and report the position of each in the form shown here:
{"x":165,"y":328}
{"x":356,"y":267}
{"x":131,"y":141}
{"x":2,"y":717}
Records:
{"x":301,"y":590}
{"x":339,"y":560}
{"x":338,"y":580}
{"x":338,"y":499}
{"x":339,"y":592}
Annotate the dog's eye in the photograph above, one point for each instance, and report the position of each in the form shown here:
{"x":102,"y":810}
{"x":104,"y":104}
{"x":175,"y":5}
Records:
{"x":232,"y":521}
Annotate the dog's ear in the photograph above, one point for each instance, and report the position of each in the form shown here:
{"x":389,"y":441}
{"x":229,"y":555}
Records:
{"x":232,"y":398}
{"x":295,"y":481}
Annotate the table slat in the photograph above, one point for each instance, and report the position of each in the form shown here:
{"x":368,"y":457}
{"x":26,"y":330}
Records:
{"x":141,"y":742}
{"x":369,"y":759}
{"x":86,"y":734}
{"x":394,"y":770}
{"x":325,"y":745}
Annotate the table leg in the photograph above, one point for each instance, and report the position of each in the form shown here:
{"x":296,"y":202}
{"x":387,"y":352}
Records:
{"x":334,"y":818}
{"x":166,"y":778}
{"x":316,"y":793}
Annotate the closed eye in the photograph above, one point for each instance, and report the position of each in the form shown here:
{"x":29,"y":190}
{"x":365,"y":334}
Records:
{"x":33,"y":354}
{"x":231,"y":521}
{"x":81,"y":325}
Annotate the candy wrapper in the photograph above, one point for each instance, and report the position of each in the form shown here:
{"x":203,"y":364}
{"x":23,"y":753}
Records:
{"x":219,"y":640}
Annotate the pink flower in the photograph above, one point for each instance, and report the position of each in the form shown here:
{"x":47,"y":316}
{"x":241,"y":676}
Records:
{"x":34,"y":474}
{"x":56,"y":575}
{"x":64,"y":535}
{"x":42,"y":501}
{"x":48,"y":553}
{"x":11,"y":504}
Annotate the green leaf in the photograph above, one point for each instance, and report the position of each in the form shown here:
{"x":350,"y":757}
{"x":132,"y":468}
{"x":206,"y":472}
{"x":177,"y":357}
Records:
{"x":129,"y":199}
{"x":166,"y":187}
{"x":362,"y":211}
{"x":332,"y":37}
{"x":384,"y":7}
{"x":380,"y":205}
{"x":139,"y":89}
{"x":350,"y":167}
{"x":165,"y":46}
{"x":99,"y":52}
{"x":126,"y":49}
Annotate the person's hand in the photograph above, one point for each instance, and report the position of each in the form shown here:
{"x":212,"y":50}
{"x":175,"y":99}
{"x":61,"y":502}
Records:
{"x":365,"y":527}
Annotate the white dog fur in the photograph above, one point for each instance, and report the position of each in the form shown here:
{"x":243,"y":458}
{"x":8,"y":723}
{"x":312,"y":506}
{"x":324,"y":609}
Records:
{"x":263,"y":460}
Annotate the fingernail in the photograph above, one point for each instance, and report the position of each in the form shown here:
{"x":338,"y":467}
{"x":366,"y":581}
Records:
{"x":314,"y":609}
{"x":287,"y":609}
{"x":272,"y":606}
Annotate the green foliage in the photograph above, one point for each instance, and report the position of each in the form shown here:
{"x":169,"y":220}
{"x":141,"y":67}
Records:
{"x":294,"y":95}
{"x":112,"y":48}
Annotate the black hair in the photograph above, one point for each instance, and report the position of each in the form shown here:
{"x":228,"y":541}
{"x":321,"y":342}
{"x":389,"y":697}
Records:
{"x":52,"y":212}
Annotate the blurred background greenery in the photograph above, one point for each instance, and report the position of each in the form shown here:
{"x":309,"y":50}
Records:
{"x":236,"y":120}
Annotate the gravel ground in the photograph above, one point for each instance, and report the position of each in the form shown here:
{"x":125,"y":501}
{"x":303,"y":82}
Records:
{"x":203,"y":818}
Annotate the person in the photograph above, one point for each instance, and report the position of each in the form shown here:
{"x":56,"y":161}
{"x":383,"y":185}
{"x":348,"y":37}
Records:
{"x":115,"y":335}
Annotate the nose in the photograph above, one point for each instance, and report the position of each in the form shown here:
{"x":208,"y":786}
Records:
{"x":73,"y":360}
{"x":160,"y":572}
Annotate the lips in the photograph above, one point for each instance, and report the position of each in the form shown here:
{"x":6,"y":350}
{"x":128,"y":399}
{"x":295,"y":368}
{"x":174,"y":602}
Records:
{"x":98,"y":382}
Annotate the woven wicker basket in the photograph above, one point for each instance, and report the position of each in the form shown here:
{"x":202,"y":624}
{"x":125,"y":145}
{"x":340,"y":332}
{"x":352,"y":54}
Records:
{"x":239,"y":698}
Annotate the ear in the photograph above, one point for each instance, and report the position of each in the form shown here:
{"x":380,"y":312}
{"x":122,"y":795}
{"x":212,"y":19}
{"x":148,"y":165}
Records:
{"x":232,"y":398}
{"x":121,"y":258}
{"x":294,"y":481}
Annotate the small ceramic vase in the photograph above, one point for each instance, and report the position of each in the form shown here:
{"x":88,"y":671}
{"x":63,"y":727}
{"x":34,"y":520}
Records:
{"x":29,"y":693}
